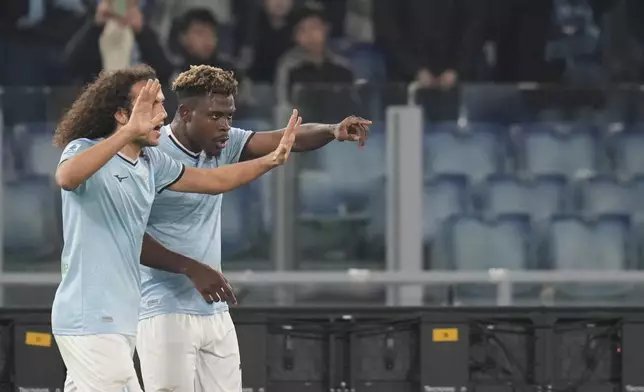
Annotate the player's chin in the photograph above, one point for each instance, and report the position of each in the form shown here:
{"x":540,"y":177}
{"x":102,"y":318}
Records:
{"x":153,"y":137}
{"x":213,"y":152}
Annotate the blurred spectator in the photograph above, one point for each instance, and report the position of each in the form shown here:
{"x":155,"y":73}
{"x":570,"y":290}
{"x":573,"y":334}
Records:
{"x":194,"y":40}
{"x":270,"y":37}
{"x":102,"y":39}
{"x":358,"y":22}
{"x":311,"y":61}
{"x":166,"y":12}
{"x":32,"y":35}
{"x":520,"y":32}
{"x":623,"y":54}
{"x":436,"y":42}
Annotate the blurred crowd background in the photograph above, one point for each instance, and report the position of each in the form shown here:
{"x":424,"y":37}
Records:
{"x":439,"y":43}
{"x":531,"y":156}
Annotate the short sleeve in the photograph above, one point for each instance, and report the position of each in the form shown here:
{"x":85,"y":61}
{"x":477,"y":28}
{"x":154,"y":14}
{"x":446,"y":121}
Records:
{"x":73,"y":148}
{"x":237,"y":140}
{"x":167,"y":171}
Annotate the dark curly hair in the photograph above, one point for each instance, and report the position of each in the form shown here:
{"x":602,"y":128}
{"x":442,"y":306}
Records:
{"x":92,"y":114}
{"x":202,"y":80}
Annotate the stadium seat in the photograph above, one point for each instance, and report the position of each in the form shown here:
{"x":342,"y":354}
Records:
{"x":9,"y":166}
{"x":43,"y":156}
{"x":443,"y":196}
{"x":475,"y":153}
{"x":253,"y":124}
{"x":235,"y":225}
{"x":605,"y":194}
{"x":629,"y":159}
{"x":604,"y":243}
{"x":346,"y":177}
{"x":477,"y":244}
{"x":539,"y":197}
{"x":637,"y":189}
{"x":482,"y":244}
{"x":348,"y":162}
{"x":549,"y":150}
{"x":30,"y":225}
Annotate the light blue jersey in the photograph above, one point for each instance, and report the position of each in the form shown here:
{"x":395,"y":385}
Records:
{"x":104,"y":221}
{"x":189,"y":224}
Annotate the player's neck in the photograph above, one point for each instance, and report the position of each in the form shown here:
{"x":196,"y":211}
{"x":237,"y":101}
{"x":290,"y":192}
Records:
{"x":131,"y":151}
{"x":179,"y":132}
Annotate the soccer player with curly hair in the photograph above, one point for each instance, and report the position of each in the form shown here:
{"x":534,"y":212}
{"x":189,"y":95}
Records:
{"x":110,"y":172}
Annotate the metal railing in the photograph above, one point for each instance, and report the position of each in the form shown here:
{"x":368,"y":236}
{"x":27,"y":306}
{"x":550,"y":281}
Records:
{"x":504,"y":280}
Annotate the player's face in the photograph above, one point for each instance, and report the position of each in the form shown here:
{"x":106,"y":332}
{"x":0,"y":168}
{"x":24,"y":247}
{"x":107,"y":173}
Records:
{"x":311,"y":34}
{"x":200,"y":40}
{"x":278,"y":8}
{"x":211,"y":122}
{"x":152,"y":137}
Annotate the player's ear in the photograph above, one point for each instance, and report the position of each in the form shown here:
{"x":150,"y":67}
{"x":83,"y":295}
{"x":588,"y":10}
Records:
{"x":122,"y":116}
{"x":185,"y":112}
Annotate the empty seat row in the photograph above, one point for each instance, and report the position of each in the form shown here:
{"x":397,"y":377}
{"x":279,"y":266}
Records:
{"x":539,"y":197}
{"x":479,"y":150}
{"x":607,"y":243}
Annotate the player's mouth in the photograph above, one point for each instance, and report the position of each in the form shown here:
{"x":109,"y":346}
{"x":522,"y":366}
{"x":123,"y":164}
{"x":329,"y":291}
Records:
{"x":158,"y":128}
{"x":221,"y":143}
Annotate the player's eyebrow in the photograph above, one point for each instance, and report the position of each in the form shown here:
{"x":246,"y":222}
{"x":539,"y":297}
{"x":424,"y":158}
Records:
{"x":213,"y":112}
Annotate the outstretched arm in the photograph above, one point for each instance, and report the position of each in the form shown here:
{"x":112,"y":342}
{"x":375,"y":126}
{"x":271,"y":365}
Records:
{"x":309,"y":137}
{"x":229,"y":177}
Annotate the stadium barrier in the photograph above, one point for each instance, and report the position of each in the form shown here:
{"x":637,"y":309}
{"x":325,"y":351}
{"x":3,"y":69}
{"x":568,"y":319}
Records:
{"x":391,"y":349}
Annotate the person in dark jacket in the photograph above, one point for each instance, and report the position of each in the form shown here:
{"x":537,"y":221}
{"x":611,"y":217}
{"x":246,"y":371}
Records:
{"x":83,"y":55}
{"x":434,"y":42}
{"x":311,"y":61}
{"x":193,"y":39}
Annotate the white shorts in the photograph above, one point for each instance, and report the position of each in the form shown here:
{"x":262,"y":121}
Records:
{"x":99,"y":363}
{"x":182,"y":352}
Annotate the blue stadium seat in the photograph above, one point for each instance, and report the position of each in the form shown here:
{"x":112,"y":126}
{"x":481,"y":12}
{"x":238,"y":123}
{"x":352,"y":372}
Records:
{"x":628,"y":146}
{"x":444,"y":196}
{"x":539,"y":197}
{"x":482,"y":244}
{"x":31,"y":229}
{"x":320,"y":194}
{"x":42,"y":155}
{"x":637,"y":189}
{"x":549,"y":150}
{"x":9,"y":163}
{"x":253,"y":124}
{"x":477,"y":244}
{"x":235,"y":224}
{"x":605,"y":194}
{"x":346,"y":178}
{"x":604,"y":243}
{"x":348,"y":162}
{"x":474,"y":152}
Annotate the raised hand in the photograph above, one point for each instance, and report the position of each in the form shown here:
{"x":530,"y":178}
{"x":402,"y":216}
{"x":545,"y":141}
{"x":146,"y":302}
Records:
{"x":143,"y":119}
{"x":281,"y":153}
{"x":352,"y":128}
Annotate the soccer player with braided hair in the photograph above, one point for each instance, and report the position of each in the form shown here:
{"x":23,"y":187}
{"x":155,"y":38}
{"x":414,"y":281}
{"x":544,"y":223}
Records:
{"x":186,"y":343}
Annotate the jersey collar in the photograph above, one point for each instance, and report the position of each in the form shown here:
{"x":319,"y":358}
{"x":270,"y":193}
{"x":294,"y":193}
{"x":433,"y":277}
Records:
{"x":184,"y":149}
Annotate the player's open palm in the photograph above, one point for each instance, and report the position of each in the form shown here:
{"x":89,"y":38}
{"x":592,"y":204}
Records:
{"x":142,"y":119}
{"x":280,"y":155}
